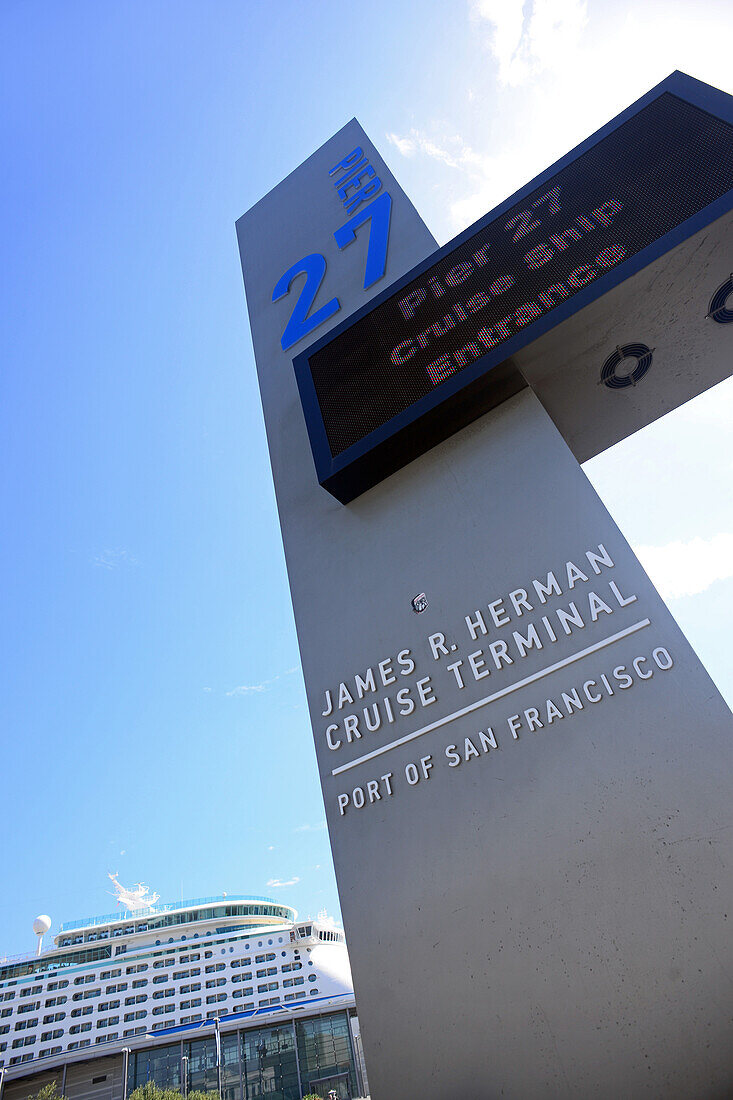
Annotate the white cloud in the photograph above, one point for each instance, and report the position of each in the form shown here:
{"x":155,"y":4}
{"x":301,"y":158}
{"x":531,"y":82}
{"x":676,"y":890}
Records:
{"x":113,"y":559}
{"x":551,"y":87}
{"x":506,"y":22}
{"x":688,"y":568}
{"x":451,"y":151}
{"x":405,"y":145}
{"x":289,"y":882}
{"x":248,"y":689}
{"x":310,"y":828}
{"x":526,"y":40}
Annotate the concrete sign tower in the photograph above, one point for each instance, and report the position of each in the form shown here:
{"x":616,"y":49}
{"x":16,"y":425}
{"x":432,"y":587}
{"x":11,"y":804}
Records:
{"x":525,"y":767}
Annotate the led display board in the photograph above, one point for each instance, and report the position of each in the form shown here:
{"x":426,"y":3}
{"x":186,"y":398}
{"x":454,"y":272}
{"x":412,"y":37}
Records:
{"x":434,"y":351}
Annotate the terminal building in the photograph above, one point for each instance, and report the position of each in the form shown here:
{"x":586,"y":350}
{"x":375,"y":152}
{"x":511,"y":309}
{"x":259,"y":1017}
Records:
{"x":230,"y":993}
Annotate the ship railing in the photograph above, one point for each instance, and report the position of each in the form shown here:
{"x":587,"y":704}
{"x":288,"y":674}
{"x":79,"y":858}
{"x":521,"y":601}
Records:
{"x":157,"y":910}
{"x":24,"y":956}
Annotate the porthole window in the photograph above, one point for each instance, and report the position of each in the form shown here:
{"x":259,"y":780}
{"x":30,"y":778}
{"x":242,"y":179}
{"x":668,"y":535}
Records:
{"x":269,"y":943}
{"x":311,"y":977}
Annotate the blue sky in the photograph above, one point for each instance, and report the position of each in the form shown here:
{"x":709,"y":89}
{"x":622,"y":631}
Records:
{"x":152,"y":707}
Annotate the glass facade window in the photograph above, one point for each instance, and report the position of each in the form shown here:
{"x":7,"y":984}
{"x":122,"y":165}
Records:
{"x":269,"y":1065}
{"x":324,"y":1051}
{"x":280,"y":1062}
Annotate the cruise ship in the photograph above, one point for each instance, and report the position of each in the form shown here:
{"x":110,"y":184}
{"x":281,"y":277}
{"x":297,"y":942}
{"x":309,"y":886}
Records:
{"x":230,"y":993}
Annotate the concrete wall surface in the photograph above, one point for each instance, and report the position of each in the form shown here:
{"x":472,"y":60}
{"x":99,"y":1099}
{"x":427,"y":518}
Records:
{"x":527,"y":783}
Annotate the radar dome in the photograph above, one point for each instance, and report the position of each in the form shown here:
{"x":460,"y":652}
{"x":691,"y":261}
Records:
{"x":41,"y":924}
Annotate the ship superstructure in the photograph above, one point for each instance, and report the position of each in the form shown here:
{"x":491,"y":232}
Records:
{"x":152,"y":968}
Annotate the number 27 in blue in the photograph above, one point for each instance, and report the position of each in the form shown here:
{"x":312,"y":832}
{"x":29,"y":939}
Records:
{"x":314,"y":268}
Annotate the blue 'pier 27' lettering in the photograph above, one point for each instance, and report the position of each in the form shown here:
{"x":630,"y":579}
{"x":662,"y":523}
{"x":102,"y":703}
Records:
{"x":356,"y":182}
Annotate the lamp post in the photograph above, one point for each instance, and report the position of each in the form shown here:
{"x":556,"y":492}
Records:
{"x":184,"y":1076}
{"x":217,"y":1037}
{"x":125,"y":1065}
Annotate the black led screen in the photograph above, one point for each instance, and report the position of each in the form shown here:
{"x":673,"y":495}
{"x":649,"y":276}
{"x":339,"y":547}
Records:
{"x":653,"y":172}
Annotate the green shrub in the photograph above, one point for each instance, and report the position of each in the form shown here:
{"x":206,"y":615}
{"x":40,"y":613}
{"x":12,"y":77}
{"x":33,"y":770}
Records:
{"x":151,"y":1091}
{"x":48,"y":1092}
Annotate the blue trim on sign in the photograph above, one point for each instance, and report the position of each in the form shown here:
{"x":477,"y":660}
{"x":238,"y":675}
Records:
{"x":686,"y":88}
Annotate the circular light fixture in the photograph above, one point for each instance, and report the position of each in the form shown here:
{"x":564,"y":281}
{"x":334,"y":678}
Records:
{"x":717,"y":310}
{"x":638,"y":352}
